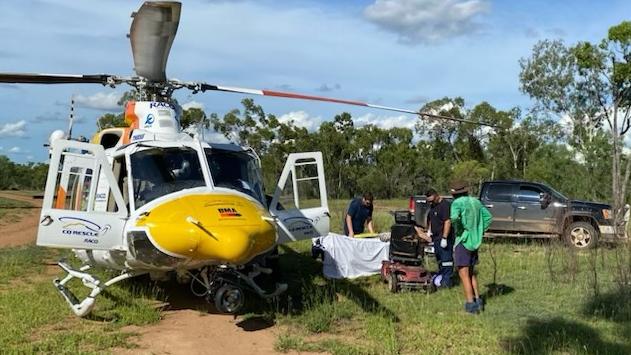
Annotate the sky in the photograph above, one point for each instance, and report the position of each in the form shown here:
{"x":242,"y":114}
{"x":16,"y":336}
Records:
{"x":399,"y":53}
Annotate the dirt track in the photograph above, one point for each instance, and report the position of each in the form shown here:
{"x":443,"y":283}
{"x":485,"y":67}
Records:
{"x":182,"y":331}
{"x":192,"y":332}
{"x":24,"y":231}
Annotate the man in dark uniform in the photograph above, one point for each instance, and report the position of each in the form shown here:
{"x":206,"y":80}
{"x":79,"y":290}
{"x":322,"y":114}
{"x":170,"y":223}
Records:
{"x":439,"y":230}
{"x":358,"y":215}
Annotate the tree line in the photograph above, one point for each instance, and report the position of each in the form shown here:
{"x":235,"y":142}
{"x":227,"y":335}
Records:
{"x":573,"y":137}
{"x":14,"y":176}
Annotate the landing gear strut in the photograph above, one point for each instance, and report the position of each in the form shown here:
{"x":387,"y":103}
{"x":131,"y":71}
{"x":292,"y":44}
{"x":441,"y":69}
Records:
{"x":83,"y":307}
{"x":226,"y":286}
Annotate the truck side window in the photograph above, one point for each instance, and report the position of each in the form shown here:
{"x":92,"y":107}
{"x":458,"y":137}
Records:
{"x":529,"y":194}
{"x":500,"y":192}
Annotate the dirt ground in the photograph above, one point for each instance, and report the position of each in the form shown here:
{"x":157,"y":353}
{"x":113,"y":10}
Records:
{"x":181,"y":331}
{"x":192,"y":332}
{"x":24,"y":231}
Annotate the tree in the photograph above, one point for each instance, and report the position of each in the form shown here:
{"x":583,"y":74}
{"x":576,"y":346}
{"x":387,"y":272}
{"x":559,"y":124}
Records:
{"x":193,"y":116}
{"x":270,"y":139}
{"x":454,"y":140}
{"x":110,"y":120}
{"x":590,"y":84}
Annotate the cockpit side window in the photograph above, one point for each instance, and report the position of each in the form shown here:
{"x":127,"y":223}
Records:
{"x":236,"y":170}
{"x":160,"y":171}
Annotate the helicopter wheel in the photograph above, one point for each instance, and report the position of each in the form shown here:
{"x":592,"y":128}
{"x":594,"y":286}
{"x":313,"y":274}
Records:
{"x":229,"y":299}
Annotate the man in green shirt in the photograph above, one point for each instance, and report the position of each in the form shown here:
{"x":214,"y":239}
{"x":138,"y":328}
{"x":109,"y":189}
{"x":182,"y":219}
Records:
{"x":470,"y":219}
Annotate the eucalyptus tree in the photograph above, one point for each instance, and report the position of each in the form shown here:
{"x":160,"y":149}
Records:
{"x":589,"y":84}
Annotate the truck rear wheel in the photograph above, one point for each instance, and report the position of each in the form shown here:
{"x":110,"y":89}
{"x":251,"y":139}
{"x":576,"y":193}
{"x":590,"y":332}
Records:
{"x":581,"y":236}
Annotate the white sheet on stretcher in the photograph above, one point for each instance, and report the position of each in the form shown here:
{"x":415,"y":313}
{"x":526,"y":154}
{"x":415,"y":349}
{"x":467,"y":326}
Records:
{"x":346,"y":257}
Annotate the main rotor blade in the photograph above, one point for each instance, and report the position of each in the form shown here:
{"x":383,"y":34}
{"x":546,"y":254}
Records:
{"x":152,"y":32}
{"x":31,"y":78}
{"x":289,"y":95}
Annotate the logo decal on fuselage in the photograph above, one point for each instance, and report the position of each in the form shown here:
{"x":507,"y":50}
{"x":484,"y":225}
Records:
{"x":83,"y":228}
{"x":154,"y":104}
{"x":300,"y":225}
{"x":228,"y":212}
{"x":149,"y":120}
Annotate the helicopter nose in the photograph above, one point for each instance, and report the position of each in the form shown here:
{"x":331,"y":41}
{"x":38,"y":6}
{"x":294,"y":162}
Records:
{"x":213,"y":227}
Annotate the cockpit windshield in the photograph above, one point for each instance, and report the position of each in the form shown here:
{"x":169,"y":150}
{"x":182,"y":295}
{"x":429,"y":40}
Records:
{"x":236,"y":170}
{"x":160,"y":171}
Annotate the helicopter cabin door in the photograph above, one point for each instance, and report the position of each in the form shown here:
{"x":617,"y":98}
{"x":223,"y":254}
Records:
{"x":300,"y":202}
{"x":74,"y":214}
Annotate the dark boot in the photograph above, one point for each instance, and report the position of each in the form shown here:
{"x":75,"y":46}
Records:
{"x":471,"y":307}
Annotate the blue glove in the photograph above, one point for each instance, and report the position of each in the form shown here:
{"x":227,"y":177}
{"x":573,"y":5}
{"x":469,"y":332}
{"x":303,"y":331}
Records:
{"x":443,"y":243}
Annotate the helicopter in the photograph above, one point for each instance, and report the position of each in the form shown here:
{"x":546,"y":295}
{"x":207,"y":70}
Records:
{"x":152,"y":199}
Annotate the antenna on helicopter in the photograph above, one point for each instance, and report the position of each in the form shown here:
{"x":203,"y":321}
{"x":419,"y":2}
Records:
{"x":71,"y":118}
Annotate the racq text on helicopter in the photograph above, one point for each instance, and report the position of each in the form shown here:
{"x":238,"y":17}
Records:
{"x":150,"y":199}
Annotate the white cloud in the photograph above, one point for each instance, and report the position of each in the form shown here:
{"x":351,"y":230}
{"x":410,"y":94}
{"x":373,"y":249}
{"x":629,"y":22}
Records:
{"x":427,"y":21}
{"x":215,"y":137}
{"x":418,"y":100}
{"x":99,"y":101}
{"x":193,"y":104}
{"x":386,"y":122}
{"x":15,"y":150}
{"x":15,"y":129}
{"x":302,"y":119}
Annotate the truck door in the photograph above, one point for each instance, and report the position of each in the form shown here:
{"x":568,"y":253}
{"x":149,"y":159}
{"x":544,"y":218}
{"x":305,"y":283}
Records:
{"x":79,"y":180}
{"x":498,"y":198}
{"x":300,"y":202}
{"x":530,"y":215}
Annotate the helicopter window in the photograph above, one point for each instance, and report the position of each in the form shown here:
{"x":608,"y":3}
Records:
{"x":308,"y":184}
{"x":160,"y":171}
{"x":81,"y":183}
{"x":119,"y":169}
{"x":286,"y":200}
{"x":74,"y":193}
{"x":110,"y":139}
{"x":236,"y":170}
{"x":301,"y":189}
{"x":80,"y":180}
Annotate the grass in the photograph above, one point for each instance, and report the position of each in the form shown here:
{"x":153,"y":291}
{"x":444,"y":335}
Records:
{"x":34,"y":318}
{"x":11,"y":209}
{"x":542,"y":300}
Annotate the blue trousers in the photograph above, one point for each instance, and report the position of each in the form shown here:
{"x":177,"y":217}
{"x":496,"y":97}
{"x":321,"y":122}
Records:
{"x":445,"y":259}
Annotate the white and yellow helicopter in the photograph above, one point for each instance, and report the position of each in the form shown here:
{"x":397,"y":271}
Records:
{"x":150,"y":199}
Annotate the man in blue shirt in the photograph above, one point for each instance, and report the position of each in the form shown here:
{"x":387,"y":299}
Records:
{"x":358,"y":215}
{"x":440,"y":232}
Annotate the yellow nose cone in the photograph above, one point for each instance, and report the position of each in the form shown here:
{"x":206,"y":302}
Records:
{"x":216,"y":227}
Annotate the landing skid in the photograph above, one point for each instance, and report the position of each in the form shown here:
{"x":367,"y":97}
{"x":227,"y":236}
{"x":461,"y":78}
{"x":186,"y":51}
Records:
{"x":84,"y":307}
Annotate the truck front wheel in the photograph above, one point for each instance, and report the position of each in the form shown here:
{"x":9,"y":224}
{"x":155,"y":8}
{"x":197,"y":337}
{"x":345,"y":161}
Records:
{"x":581,"y":236}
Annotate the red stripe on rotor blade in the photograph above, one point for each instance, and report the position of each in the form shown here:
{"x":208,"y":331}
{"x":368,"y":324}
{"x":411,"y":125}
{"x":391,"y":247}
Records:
{"x":309,"y":97}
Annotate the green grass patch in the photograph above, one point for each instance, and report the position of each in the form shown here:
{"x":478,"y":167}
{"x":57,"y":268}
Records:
{"x":10,"y":203}
{"x":19,"y":261}
{"x":10,"y":210}
{"x":541,"y":298}
{"x":34,"y":318}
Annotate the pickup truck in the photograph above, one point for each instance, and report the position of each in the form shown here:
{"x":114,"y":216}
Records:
{"x":535,"y":210}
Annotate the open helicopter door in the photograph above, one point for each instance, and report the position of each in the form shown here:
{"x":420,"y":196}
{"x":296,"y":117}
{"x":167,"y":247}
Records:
{"x":80,"y":178}
{"x":300,"y":202}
